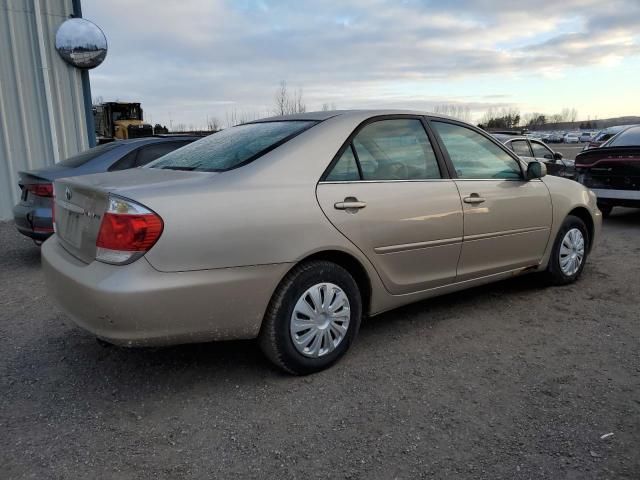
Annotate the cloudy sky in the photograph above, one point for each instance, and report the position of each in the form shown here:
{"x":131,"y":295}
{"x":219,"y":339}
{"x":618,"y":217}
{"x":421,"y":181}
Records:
{"x":189,"y":60}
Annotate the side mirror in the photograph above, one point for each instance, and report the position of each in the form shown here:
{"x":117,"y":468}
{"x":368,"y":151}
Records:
{"x":557,"y":156}
{"x":536,"y":169}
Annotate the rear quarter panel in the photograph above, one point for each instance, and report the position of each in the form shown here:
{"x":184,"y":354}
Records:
{"x":567,"y":195}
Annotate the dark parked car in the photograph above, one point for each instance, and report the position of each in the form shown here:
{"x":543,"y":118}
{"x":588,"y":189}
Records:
{"x":32,"y":214}
{"x":612,"y":171}
{"x":604,"y":136}
{"x":529,"y":149}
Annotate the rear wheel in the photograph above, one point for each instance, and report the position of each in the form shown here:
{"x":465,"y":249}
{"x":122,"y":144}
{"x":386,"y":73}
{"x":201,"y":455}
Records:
{"x":312,"y":319}
{"x":569,"y":252}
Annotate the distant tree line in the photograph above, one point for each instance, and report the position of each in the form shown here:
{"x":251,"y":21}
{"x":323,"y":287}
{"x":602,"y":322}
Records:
{"x":511,"y":118}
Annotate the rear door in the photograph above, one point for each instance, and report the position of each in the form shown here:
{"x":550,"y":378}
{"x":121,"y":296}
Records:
{"x":389,"y":194}
{"x":507,"y":220}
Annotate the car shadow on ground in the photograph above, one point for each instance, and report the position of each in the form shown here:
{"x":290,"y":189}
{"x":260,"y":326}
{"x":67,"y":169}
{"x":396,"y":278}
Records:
{"x":624,"y":216}
{"x":27,"y":256}
{"x":242,"y":361}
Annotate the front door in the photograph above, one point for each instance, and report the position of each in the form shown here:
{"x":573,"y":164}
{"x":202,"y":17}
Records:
{"x":507,"y":220}
{"x":389,"y":195}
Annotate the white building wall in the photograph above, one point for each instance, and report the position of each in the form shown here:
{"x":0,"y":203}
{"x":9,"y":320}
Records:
{"x":42,"y":117}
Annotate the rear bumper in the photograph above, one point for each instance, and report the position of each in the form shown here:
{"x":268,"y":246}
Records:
{"x":605,"y":193}
{"x":32,"y":221}
{"x":138,"y":305}
{"x":622,"y":198}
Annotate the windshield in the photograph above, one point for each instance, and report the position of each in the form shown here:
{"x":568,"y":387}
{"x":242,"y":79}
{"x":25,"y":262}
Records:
{"x":87,"y":155}
{"x":627,"y":138}
{"x":232,"y":147}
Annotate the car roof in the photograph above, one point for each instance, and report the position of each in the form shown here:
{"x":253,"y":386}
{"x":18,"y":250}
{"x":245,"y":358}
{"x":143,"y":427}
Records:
{"x":324,"y":115}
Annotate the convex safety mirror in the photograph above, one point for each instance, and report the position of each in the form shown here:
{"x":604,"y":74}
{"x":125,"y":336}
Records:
{"x":81,"y":43}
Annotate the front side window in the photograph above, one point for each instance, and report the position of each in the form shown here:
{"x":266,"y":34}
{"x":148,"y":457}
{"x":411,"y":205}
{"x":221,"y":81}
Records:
{"x":232,"y":147}
{"x":521,"y":148}
{"x":475,"y":156}
{"x":541,"y":151}
{"x":397,"y":149}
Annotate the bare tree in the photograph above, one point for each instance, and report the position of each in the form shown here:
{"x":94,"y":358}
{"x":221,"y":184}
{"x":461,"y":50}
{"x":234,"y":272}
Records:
{"x":287,"y":103}
{"x":97,"y":100}
{"x":282,"y":99}
{"x":235,"y":117}
{"x":503,"y":118}
{"x":328,"y":106}
{"x":212,"y":124}
{"x":461,"y":112}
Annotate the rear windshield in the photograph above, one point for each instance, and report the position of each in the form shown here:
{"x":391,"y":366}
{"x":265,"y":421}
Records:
{"x":231,"y":147}
{"x":87,"y":155}
{"x":628,"y":138}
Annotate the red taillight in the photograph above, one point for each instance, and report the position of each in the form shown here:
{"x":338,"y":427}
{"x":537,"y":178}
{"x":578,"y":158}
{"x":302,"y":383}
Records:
{"x":129,"y":233}
{"x":41,"y":189}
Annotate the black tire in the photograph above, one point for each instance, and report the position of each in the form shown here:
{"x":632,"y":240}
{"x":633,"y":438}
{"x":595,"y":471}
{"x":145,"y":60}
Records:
{"x":605,"y":209}
{"x":554,"y":273}
{"x":275,"y":338}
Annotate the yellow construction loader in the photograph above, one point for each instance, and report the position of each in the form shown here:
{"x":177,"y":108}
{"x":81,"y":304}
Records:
{"x":119,"y":121}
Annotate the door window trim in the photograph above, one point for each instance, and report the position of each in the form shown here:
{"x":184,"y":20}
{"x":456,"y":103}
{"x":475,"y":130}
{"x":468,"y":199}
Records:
{"x":452,"y":172}
{"x":348,"y":143}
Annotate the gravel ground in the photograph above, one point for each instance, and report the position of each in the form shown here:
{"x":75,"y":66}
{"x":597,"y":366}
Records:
{"x":512,"y":380}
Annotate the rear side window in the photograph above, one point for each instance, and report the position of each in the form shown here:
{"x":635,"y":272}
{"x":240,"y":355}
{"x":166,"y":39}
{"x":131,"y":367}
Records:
{"x":475,"y":156}
{"x":152,"y":152}
{"x":232,"y":147}
{"x":396,"y":149}
{"x":346,"y":169}
{"x":88,"y":155}
{"x":143,"y":155}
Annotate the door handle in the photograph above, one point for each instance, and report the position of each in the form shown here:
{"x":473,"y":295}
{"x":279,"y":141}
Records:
{"x":473,"y":199}
{"x":350,"y":203}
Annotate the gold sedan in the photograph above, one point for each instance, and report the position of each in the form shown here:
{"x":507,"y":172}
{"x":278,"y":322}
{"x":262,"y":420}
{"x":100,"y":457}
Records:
{"x":292,"y":229}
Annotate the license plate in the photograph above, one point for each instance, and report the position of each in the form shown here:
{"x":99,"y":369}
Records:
{"x":72,"y":230}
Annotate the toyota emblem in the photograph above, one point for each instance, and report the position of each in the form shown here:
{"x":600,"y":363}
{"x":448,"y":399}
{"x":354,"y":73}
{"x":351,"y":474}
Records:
{"x":67,"y":193}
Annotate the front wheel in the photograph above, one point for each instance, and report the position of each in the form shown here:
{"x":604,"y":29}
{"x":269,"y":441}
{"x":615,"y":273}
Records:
{"x":312,"y":319}
{"x":569,"y":252}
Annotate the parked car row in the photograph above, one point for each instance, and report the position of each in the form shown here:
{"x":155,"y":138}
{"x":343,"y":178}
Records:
{"x":562,"y":137}
{"x":292,"y":229}
{"x":612,"y":170}
{"x":529,"y":149}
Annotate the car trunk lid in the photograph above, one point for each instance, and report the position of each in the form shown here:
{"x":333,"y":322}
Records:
{"x":80,"y":202}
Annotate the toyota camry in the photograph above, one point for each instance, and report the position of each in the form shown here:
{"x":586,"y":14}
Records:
{"x":292,"y":229}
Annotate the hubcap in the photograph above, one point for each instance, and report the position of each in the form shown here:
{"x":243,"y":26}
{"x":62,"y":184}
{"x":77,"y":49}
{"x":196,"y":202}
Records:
{"x":572,"y":252}
{"x":320,"y":320}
